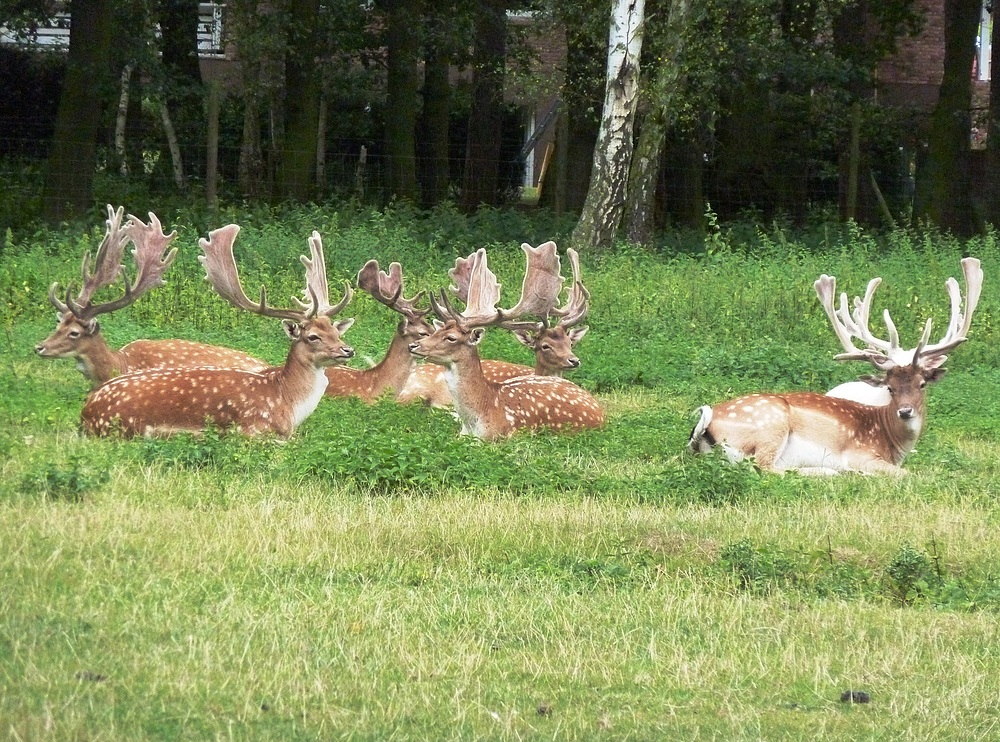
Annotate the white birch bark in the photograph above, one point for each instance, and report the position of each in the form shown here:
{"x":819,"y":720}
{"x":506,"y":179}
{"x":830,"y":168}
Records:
{"x":121,"y":119}
{"x":605,"y":203}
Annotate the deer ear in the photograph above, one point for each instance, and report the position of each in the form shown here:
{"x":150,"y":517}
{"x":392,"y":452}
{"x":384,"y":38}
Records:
{"x":933,"y":374}
{"x":438,"y":324}
{"x":292,"y":329}
{"x":476,"y":335}
{"x":92,"y":326}
{"x":525,"y":337}
{"x":344,"y":325}
{"x":576,"y":333}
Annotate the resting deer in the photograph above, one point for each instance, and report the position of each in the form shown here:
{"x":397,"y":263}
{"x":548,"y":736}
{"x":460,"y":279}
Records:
{"x":274,"y":400}
{"x":392,"y":372}
{"x":78,"y":333}
{"x":490,"y":409}
{"x":552,"y":343}
{"x":819,"y":434}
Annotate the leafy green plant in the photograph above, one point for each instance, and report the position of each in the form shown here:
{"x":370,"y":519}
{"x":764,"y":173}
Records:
{"x":757,"y":568}
{"x":908,"y":574}
{"x":69,"y":482}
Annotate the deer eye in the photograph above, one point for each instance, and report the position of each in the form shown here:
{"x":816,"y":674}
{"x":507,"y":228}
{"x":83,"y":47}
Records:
{"x":451,"y":339}
{"x":313,"y":338}
{"x":546,"y":346}
{"x":74,"y":334}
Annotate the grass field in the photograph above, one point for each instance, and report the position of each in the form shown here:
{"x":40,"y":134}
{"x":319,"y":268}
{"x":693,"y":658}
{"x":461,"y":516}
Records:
{"x":377,"y":577}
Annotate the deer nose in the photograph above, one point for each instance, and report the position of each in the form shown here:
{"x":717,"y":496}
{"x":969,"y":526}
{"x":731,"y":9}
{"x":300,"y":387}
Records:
{"x":573,"y":362}
{"x":414,"y":347}
{"x":348,"y":351}
{"x":40,"y":348}
{"x":905,"y":413}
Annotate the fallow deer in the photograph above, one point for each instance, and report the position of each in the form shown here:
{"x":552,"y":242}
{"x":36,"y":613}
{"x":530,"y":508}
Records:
{"x":489,"y":409}
{"x":551,"y":343}
{"x":78,"y":333}
{"x":818,"y":434}
{"x":274,"y":400}
{"x":392,"y":372}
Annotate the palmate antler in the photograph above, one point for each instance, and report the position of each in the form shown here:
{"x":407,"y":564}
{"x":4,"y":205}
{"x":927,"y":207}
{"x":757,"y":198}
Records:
{"x":151,"y":259}
{"x":222,"y":273}
{"x":885,"y":354}
{"x":387,"y":288}
{"x":476,"y":285}
{"x":578,"y":303}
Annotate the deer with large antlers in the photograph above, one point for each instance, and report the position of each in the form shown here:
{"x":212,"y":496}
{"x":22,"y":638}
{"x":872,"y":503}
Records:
{"x":392,"y":372}
{"x":818,"y":434}
{"x":274,"y":400}
{"x":490,"y":409}
{"x":552,"y":343}
{"x":78,"y":333}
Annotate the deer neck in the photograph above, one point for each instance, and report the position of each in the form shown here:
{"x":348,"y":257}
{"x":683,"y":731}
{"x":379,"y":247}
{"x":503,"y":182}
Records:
{"x":474,"y":396}
{"x":99,"y":363}
{"x":542,"y":370}
{"x":900,"y":436}
{"x":394,"y":369}
{"x":300,"y":382}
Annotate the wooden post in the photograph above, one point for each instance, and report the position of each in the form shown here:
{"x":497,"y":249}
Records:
{"x":212,"y":148}
{"x":321,"y":148}
{"x":853,"y":165}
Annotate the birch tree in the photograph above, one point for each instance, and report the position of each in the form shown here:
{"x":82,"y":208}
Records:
{"x":605,"y":204}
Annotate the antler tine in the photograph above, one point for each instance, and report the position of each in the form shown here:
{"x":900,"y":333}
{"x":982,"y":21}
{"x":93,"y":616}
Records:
{"x":542,"y":282}
{"x":958,"y":326}
{"x":316,"y":294}
{"x":444,"y":310}
{"x":826,"y":287}
{"x":221,"y":272}
{"x":579,"y":298}
{"x":387,"y":288}
{"x":107,"y":262}
{"x":862,"y":312}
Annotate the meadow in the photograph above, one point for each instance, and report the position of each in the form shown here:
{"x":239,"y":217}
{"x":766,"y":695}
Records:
{"x":377,"y":577}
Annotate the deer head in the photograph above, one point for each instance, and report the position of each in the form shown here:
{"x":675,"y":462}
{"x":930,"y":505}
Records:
{"x":78,"y":329}
{"x":311,"y":322}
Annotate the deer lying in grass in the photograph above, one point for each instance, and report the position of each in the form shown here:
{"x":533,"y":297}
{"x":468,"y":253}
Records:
{"x":78,"y":333}
{"x":274,"y":400}
{"x":392,"y":372}
{"x":490,"y":409}
{"x":551,"y":343}
{"x":819,"y":434}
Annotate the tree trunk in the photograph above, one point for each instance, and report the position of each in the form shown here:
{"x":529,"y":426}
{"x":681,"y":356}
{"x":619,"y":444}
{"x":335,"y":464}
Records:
{"x":176,"y":158}
{"x":605,"y":204}
{"x":69,"y":178}
{"x":437,"y":104}
{"x":121,"y":120}
{"x":402,"y":87}
{"x":992,"y":206}
{"x":481,"y":181}
{"x":646,"y":161}
{"x":251,"y":166}
{"x":296,"y":170}
{"x":182,"y":85}
{"x":943,"y":189}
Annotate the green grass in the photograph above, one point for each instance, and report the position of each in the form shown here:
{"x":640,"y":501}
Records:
{"x":377,"y":577}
